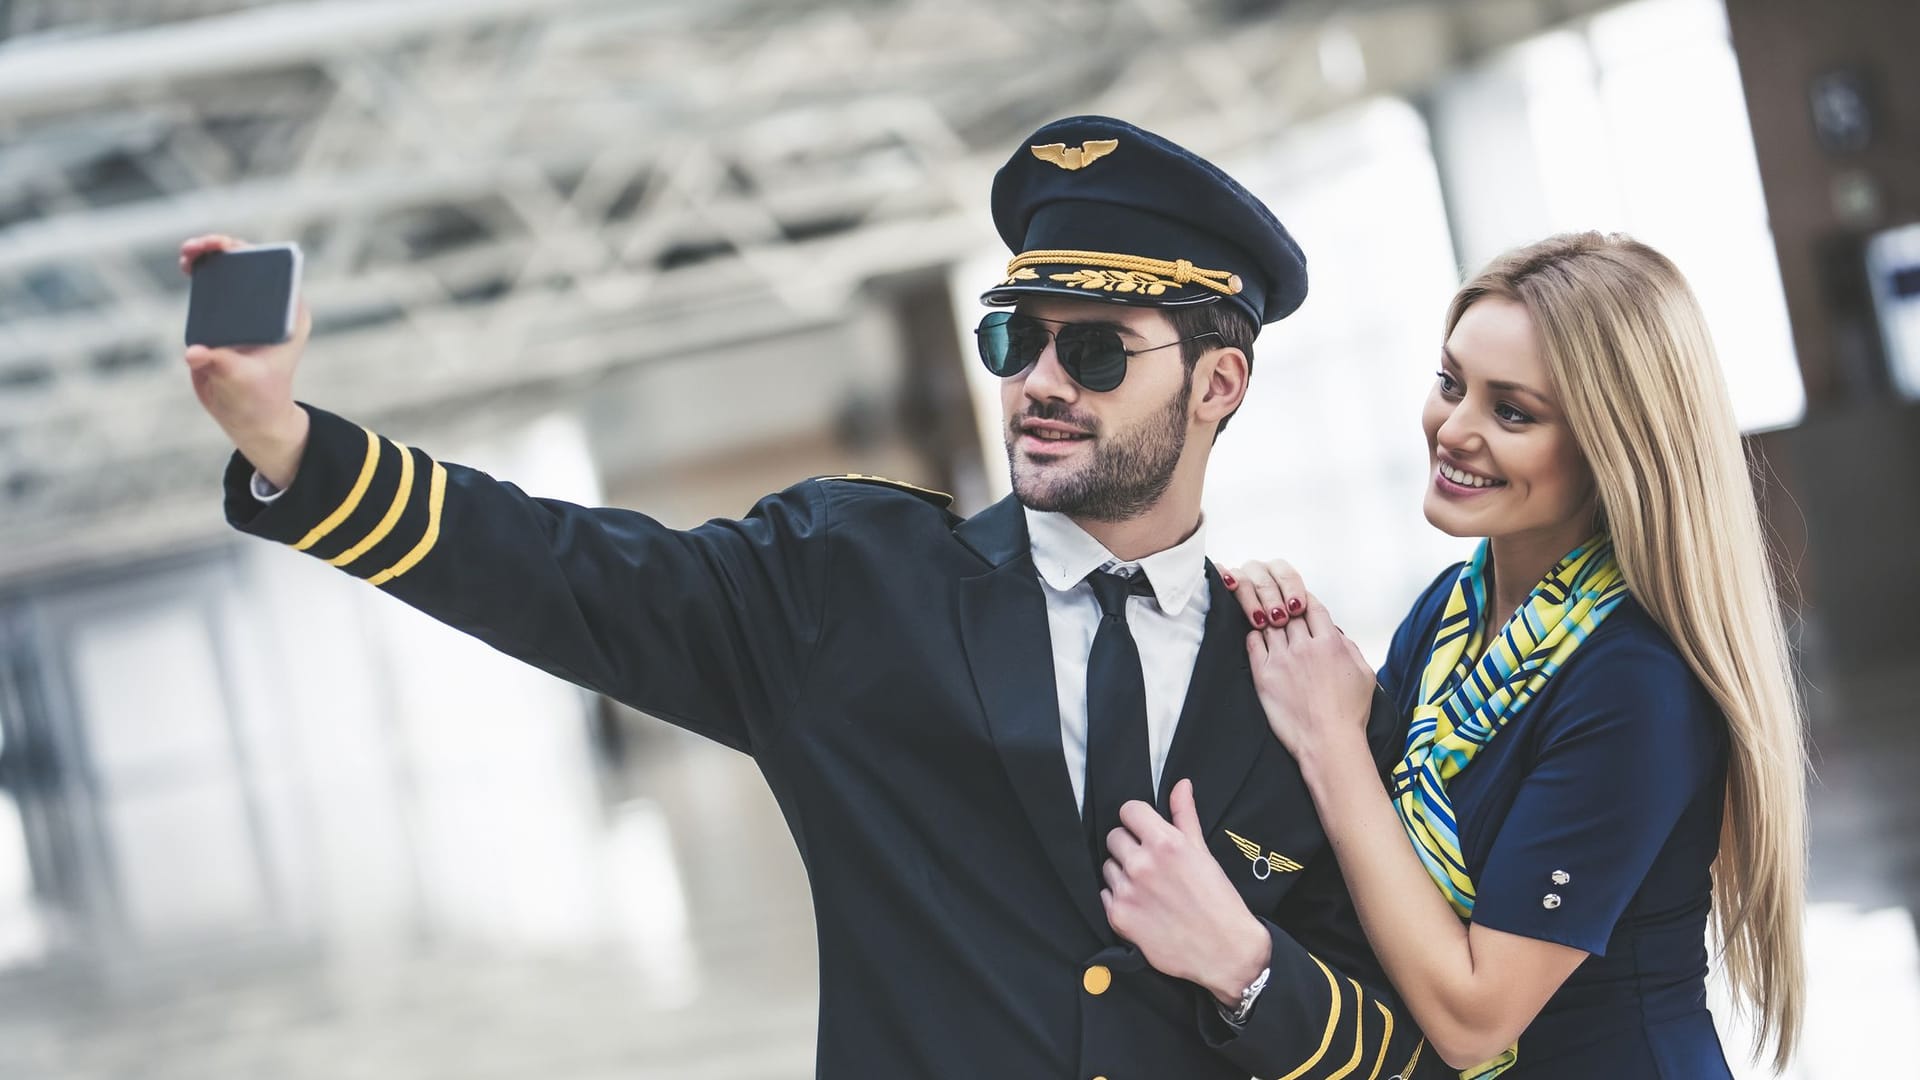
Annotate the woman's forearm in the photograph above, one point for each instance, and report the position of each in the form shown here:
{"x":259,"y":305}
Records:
{"x":1422,"y":944}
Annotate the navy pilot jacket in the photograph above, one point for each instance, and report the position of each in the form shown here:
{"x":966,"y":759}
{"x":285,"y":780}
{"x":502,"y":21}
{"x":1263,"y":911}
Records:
{"x":888,"y":667}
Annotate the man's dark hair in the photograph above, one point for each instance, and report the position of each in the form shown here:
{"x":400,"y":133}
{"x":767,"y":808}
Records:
{"x":1234,"y":328}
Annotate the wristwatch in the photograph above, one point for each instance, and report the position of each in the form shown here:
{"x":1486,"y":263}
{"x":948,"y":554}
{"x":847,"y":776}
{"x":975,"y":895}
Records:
{"x":1238,"y":1016}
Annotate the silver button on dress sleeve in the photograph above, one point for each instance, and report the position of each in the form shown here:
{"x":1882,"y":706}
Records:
{"x":1550,"y":901}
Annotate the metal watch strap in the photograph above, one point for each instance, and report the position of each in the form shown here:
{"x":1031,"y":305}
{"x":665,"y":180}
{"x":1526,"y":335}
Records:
{"x":1247,"y":998}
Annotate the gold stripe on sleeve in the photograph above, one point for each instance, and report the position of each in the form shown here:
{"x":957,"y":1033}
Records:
{"x":352,"y":503}
{"x":1333,"y":1021}
{"x":380,"y":531}
{"x":1359,"y":1029}
{"x":435,"y":497}
{"x":1386,"y":1041}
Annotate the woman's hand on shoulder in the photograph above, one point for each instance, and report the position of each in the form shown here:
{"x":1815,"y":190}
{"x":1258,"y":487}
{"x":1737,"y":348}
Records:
{"x":1270,"y":591}
{"x":1314,"y":683}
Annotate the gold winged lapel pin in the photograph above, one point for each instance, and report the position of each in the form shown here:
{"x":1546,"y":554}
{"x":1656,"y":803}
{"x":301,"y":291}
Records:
{"x":1071,"y":158}
{"x":1263,"y":865}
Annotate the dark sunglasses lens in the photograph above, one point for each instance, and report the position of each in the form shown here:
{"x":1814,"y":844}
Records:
{"x":1093,"y":355}
{"x":1009,"y":342}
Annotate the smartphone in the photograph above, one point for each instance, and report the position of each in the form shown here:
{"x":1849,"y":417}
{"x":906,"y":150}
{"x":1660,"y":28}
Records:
{"x":248,"y":296}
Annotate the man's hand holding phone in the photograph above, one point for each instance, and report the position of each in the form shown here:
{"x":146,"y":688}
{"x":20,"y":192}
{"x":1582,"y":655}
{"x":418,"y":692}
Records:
{"x":248,"y":389}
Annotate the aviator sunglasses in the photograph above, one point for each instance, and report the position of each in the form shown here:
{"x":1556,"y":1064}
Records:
{"x":1091,"y":353}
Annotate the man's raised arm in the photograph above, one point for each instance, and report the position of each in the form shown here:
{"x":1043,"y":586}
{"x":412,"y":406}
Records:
{"x":709,"y":628}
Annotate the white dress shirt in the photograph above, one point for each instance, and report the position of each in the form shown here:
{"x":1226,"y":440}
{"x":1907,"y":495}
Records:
{"x":1166,"y":626}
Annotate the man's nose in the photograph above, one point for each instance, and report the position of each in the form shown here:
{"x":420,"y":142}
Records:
{"x":1048,"y":381}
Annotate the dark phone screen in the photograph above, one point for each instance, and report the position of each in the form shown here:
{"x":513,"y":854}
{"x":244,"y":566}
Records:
{"x":241,"y":298}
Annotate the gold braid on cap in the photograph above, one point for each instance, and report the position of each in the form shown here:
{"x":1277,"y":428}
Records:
{"x":1137,"y":273}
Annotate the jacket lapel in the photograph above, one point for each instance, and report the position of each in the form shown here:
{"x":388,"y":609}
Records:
{"x":1003,"y":623}
{"x":1222,"y":729}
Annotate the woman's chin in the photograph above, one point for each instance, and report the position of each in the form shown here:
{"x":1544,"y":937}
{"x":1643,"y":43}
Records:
{"x":1448,"y":518}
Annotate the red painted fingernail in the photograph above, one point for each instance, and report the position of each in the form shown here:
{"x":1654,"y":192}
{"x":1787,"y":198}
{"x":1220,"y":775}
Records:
{"x":1259,"y":617}
{"x":1226,"y":579}
{"x":1278,"y":615}
{"x":1296,"y":606}
{"x":1281,"y":619}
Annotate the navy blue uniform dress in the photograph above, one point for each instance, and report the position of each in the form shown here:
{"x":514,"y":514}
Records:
{"x":1591,"y":821}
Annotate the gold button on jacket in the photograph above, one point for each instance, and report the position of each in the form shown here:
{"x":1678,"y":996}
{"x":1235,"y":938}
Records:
{"x":1097,"y":979}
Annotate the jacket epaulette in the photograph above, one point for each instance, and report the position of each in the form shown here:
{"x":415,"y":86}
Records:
{"x":940,"y":499}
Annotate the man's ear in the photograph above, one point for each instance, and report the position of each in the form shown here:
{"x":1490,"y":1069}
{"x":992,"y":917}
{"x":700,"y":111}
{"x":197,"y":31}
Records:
{"x":1220,"y":384}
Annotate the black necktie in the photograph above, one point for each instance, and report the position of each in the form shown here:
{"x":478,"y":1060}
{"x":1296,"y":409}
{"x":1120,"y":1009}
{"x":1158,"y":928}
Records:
{"x":1118,"y":768}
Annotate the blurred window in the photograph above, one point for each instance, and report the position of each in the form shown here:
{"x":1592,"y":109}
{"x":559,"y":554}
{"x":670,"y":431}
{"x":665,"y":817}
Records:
{"x":1635,"y":122}
{"x":22,"y":937}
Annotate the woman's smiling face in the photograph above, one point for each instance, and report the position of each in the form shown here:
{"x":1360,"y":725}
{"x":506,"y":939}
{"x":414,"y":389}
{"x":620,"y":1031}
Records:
{"x":1504,"y":462}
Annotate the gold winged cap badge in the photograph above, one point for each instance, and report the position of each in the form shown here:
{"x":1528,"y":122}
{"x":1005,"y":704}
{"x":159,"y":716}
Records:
{"x":1071,"y":158}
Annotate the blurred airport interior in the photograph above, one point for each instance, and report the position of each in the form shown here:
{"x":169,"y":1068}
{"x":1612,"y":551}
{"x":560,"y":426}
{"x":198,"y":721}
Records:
{"x":256,"y":820}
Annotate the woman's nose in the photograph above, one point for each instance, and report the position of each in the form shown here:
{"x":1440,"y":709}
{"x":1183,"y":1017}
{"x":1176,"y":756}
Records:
{"x":1458,"y":430}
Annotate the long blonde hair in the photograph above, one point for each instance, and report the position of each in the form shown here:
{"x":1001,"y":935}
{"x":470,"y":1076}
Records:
{"x":1634,"y":366}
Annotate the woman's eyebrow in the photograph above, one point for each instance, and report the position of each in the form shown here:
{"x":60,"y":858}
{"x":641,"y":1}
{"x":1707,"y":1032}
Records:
{"x":1503,"y":385}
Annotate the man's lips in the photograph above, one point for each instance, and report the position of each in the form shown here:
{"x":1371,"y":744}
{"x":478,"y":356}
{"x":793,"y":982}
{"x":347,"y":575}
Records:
{"x":1048,"y":435}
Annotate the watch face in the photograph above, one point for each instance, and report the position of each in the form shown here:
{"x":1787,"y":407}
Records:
{"x":1842,"y":112}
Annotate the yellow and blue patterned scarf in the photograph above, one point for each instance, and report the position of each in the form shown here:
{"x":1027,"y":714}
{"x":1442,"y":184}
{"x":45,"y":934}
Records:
{"x":1468,"y":696}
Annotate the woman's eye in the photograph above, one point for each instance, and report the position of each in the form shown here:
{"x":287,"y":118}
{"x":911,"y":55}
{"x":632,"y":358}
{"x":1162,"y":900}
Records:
{"x":1511,"y":415}
{"x":1447,"y":385}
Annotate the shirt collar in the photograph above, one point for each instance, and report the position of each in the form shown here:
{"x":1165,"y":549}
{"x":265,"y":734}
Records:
{"x":1065,"y":554}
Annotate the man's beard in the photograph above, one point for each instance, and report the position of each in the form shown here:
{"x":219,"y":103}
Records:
{"x":1127,"y":475}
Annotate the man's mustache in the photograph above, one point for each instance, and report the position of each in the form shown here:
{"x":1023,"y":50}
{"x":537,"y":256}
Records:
{"x":1058,"y":414}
